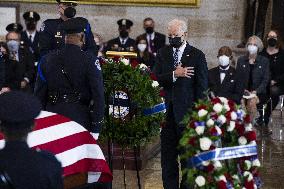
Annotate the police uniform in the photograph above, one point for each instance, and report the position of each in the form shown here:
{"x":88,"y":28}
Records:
{"x":18,"y":28}
{"x":25,"y":167}
{"x":31,"y":40}
{"x":69,"y":79}
{"x":122,"y":43}
{"x":52,"y":35}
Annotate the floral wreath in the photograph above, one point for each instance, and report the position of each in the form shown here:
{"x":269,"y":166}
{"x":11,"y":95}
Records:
{"x":219,"y":146}
{"x":129,"y":83}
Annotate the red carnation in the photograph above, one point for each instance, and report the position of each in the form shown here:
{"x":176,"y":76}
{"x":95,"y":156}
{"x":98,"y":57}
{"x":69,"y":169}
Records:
{"x":209,"y":168}
{"x":153,"y":77}
{"x":214,"y":116}
{"x":228,"y":116}
{"x":191,"y":125}
{"x":251,"y":136}
{"x":231,"y":104}
{"x":240,"y":129}
{"x":222,"y":184}
{"x":212,"y":147}
{"x":213,"y":131}
{"x":216,"y":100}
{"x":116,"y":58}
{"x":192,"y":141}
{"x":162,"y":93}
{"x":247,"y":119}
{"x":249,"y":184}
{"x":102,"y":61}
{"x":134,"y":63}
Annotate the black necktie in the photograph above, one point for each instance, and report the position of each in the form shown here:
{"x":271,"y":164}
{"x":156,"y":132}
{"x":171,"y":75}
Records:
{"x":223,"y":71}
{"x":31,"y":38}
{"x":176,"y":57}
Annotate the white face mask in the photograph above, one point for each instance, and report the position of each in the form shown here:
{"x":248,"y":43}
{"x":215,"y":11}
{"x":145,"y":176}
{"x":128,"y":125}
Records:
{"x":141,"y":47}
{"x":252,"y":49}
{"x":224,"y":60}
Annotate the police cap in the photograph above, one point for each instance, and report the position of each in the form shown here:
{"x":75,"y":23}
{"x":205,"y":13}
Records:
{"x":15,"y":27}
{"x":31,"y":16}
{"x":124,"y":23}
{"x":74,"y":25}
{"x":68,"y":2}
{"x":18,"y":107}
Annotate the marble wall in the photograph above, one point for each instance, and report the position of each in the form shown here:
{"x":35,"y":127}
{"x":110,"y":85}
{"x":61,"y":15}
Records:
{"x":214,"y":24}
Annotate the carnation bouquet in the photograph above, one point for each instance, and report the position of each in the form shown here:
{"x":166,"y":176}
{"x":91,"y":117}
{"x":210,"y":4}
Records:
{"x":219,"y":145}
{"x":134,"y":107}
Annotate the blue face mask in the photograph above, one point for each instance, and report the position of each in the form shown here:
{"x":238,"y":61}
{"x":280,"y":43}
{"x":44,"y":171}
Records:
{"x":13,"y":45}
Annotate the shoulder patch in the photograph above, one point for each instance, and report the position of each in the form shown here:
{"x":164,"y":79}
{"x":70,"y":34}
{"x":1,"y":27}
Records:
{"x":97,"y":63}
{"x":42,"y":27}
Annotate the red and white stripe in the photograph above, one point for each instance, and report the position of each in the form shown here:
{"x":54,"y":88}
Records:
{"x":71,"y":143}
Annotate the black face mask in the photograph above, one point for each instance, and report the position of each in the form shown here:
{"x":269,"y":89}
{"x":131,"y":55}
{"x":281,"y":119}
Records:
{"x":31,"y":26}
{"x":70,"y":12}
{"x":175,"y":42}
{"x":123,"y":34}
{"x":149,"y":30}
{"x":224,"y":67}
{"x":272,"y":42}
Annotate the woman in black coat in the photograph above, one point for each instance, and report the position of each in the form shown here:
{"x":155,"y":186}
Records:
{"x":274,"y":52}
{"x":253,"y":74}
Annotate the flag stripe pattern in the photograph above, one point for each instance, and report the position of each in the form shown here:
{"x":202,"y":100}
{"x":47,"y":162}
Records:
{"x":72,"y":145}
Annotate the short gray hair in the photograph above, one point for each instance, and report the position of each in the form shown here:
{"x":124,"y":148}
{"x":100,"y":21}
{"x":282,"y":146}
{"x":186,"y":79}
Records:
{"x":176,"y":23}
{"x":259,"y":42}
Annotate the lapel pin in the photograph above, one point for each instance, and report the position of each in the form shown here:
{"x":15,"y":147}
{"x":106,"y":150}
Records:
{"x":259,"y":66}
{"x":244,"y":66}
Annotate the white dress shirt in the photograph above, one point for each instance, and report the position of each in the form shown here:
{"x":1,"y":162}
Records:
{"x":32,"y":35}
{"x":223,"y":75}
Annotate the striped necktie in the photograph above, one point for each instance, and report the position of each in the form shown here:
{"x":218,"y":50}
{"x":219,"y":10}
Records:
{"x":176,"y":57}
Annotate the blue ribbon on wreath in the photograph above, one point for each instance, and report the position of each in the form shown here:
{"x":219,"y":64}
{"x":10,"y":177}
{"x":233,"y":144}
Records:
{"x":155,"y":109}
{"x":222,"y":154}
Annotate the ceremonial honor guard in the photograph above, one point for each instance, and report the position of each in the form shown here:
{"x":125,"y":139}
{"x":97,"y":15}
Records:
{"x":22,"y":166}
{"x":52,"y":35}
{"x":123,"y":42}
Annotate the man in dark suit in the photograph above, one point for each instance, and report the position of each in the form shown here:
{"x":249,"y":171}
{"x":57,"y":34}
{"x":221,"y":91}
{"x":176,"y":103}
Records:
{"x":69,"y":79}
{"x":30,"y":36}
{"x":182,"y":71}
{"x":26,"y":168}
{"x":20,"y":71}
{"x":155,"y":40}
{"x":123,"y":42}
{"x":52,"y":35}
{"x":222,"y":80}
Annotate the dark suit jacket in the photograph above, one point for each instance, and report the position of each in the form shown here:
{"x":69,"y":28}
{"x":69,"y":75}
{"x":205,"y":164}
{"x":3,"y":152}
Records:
{"x":228,"y":88}
{"x":15,"y":71}
{"x":32,"y":46}
{"x":159,"y":40}
{"x":260,"y":75}
{"x":115,"y":45}
{"x":184,"y":91}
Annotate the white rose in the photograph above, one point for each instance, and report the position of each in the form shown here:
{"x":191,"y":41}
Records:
{"x":210,"y":123}
{"x":218,"y":108}
{"x":223,"y":178}
{"x":142,"y":66}
{"x":223,"y":100}
{"x":222,"y":119}
{"x":155,"y":84}
{"x":248,"y":127}
{"x":227,"y":107}
{"x":232,"y":126}
{"x":234,"y":116}
{"x":248,"y":175}
{"x":125,"y":61}
{"x":236,"y":177}
{"x":200,"y":181}
{"x":247,"y":164}
{"x":199,"y":130}
{"x":217,"y":165}
{"x":252,"y":142}
{"x":219,"y":131}
{"x":256,"y":163}
{"x":254,"y":186}
{"x":242,"y":140}
{"x":202,"y":113}
{"x":205,"y":143}
{"x":205,"y":163}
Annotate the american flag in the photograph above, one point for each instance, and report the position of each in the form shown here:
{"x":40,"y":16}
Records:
{"x":72,"y":145}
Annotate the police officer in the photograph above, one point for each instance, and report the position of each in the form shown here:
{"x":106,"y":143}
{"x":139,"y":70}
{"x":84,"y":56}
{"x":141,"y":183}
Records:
{"x":52,"y":36}
{"x":30,"y":36}
{"x":26,"y":168}
{"x":123,"y":42}
{"x":69,"y":79}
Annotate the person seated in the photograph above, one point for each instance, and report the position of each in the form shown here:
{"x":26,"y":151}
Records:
{"x":143,"y":56}
{"x":222,"y":80}
{"x":26,"y":167}
{"x":253,"y":71}
{"x":123,"y":42}
{"x":155,"y":40}
{"x":274,"y":52}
